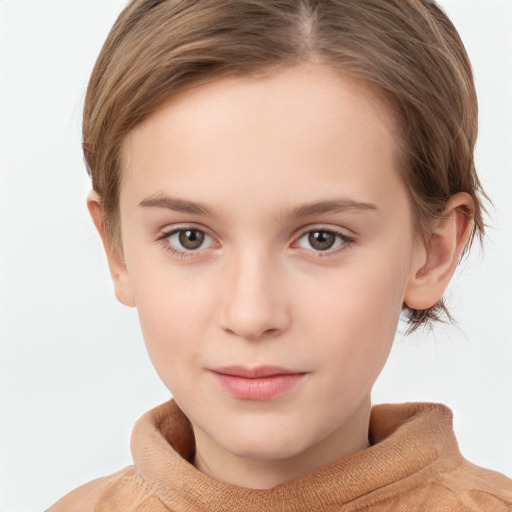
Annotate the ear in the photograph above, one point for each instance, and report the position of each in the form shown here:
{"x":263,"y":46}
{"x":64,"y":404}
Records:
{"x":437,"y":261}
{"x":116,"y":262}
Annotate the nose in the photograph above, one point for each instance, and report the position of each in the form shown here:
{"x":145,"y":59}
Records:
{"x":254,"y":304}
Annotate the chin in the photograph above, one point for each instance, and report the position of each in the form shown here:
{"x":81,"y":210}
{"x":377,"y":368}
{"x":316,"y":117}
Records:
{"x":265,"y":451}
{"x":261,"y":443}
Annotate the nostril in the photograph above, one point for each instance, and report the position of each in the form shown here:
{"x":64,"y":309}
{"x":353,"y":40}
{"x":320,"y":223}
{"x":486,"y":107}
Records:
{"x":253,"y":336}
{"x":250,"y":309}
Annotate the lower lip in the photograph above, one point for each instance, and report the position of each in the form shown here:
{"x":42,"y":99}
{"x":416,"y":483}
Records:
{"x":262,"y":388}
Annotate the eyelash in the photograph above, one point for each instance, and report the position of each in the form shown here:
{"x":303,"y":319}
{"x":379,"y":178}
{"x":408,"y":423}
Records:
{"x":346,"y":241}
{"x":177,"y":252}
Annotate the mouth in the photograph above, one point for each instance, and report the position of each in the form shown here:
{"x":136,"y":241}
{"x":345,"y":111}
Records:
{"x":257,"y":384}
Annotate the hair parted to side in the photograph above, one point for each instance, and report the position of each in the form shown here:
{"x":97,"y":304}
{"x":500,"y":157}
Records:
{"x":407,"y":51}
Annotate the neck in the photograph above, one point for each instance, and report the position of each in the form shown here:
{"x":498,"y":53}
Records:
{"x":225,"y":466}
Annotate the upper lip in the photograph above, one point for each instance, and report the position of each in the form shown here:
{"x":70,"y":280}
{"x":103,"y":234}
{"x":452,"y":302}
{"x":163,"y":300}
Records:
{"x":255,"y":373}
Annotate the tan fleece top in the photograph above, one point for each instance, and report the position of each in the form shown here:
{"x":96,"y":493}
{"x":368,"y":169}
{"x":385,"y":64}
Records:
{"x":414,"y":464}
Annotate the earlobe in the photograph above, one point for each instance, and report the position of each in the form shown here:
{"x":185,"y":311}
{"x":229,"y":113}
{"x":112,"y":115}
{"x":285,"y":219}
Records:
{"x":437,"y":262}
{"x":118,"y":270}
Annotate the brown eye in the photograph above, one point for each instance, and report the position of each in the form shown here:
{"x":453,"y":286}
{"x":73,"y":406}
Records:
{"x":321,"y":240}
{"x":191,"y":239}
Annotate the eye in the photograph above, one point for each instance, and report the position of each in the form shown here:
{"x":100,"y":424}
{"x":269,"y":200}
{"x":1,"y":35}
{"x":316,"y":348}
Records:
{"x":188,"y":240}
{"x":322,"y":240}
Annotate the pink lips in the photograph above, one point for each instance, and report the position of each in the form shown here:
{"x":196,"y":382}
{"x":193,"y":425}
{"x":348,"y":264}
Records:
{"x":261,"y":383}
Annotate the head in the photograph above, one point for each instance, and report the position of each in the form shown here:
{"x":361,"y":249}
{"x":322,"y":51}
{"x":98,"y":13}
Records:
{"x":407,"y":53}
{"x":274,"y":182}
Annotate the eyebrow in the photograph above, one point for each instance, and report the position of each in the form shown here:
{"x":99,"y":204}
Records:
{"x":331,"y":207}
{"x":176,"y":205}
{"x":305,"y":210}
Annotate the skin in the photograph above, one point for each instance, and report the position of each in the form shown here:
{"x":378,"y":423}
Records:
{"x":256,"y":292}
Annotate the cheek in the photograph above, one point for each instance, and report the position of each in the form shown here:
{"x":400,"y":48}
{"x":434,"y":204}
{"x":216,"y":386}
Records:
{"x":175,"y":310}
{"x":360,"y":296}
{"x":355,"y":315}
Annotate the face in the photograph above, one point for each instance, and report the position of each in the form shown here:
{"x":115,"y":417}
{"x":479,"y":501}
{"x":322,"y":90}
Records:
{"x":268,"y":246}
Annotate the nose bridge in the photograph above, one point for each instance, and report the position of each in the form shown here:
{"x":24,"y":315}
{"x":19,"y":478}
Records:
{"x":254,"y":302}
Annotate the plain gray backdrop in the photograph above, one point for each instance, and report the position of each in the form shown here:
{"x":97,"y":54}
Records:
{"x":74,"y":374}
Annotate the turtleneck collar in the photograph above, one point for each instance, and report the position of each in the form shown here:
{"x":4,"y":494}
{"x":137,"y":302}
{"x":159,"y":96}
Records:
{"x":405,"y":439}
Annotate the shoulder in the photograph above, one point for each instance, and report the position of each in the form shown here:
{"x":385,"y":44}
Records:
{"x":449,"y":489}
{"x":124,"y":490}
{"x":425,"y":468}
{"x":455,"y":487}
{"x":475,"y":488}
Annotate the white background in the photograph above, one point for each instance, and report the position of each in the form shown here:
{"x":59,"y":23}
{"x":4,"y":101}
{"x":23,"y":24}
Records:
{"x":74,"y":375}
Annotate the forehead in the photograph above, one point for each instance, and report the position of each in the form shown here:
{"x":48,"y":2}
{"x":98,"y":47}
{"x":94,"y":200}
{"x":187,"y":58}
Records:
{"x":302,"y":132}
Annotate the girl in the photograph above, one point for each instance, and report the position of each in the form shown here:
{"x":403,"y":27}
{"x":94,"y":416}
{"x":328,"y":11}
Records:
{"x":275,"y":183}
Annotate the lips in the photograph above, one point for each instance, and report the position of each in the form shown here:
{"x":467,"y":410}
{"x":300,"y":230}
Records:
{"x":259,"y":384}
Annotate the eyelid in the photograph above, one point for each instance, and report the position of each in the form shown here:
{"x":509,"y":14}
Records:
{"x":169,"y":231}
{"x":334,"y":228}
{"x":173,"y":228}
{"x":348,"y":239}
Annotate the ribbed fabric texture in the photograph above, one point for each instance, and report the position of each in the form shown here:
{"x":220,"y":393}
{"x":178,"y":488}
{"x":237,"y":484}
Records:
{"x":414,"y":464}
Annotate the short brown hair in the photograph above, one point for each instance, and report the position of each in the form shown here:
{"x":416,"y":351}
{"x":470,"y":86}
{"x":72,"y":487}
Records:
{"x":408,"y":51}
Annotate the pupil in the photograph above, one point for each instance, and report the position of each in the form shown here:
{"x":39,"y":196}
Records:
{"x":191,"y":239}
{"x":321,"y":240}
